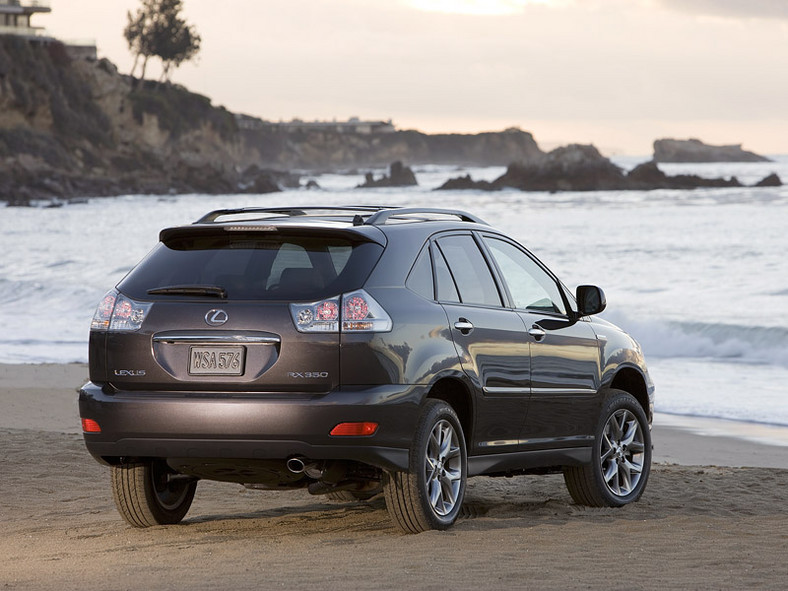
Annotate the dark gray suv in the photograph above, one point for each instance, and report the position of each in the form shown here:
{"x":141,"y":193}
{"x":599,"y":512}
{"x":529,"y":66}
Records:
{"x":354,"y":351}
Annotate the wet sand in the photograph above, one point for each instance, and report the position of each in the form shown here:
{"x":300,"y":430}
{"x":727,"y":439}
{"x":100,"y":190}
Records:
{"x":712,"y":525}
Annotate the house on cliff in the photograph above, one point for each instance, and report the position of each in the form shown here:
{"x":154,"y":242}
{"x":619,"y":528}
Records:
{"x":352,"y":125}
{"x":15,"y":17}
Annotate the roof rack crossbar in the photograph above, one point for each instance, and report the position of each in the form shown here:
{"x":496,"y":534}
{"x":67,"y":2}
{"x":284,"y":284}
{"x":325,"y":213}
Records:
{"x":383,"y":216}
{"x":286,"y":211}
{"x":376,"y":214}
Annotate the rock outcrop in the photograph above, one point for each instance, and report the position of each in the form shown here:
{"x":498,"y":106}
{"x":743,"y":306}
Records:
{"x":770,"y":181}
{"x":465,"y":183}
{"x":693,"y":150}
{"x":570,"y":168}
{"x":583,"y":168}
{"x":399,"y":176}
{"x":648,"y":176}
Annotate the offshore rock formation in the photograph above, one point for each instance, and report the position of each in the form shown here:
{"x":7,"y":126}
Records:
{"x":399,"y":176}
{"x":770,"y":181}
{"x":570,"y":168}
{"x":648,"y":176}
{"x":466,"y":183}
{"x":693,"y":150}
{"x":583,"y":168}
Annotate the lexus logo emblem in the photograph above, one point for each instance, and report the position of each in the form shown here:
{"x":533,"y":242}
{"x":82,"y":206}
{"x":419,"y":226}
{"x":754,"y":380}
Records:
{"x":216,"y":317}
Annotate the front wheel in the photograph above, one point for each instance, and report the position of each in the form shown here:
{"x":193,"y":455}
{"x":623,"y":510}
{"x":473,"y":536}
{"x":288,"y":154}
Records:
{"x":621,"y":459}
{"x":151,"y":493}
{"x":430,"y":494}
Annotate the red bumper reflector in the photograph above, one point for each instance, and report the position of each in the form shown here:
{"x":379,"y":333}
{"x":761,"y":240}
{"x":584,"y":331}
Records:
{"x":354,"y":429}
{"x":90,"y":426}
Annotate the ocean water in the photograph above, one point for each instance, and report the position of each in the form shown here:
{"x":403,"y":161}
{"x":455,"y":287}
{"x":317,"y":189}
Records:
{"x":700,"y":278}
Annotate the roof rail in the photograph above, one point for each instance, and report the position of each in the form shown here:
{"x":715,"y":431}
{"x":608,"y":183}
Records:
{"x":212,"y":216}
{"x":384,"y":215}
{"x":376,"y":214}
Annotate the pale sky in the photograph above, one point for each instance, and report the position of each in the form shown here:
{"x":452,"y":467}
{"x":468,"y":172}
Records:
{"x":615,"y":73}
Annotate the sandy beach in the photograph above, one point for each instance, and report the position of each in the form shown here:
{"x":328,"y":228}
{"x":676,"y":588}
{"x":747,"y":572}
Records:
{"x":713,"y":517}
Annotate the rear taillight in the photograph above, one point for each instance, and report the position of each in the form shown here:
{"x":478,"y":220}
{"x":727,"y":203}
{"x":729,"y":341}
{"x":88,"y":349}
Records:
{"x":361,"y":313}
{"x":356,"y":311}
{"x":103,"y":313}
{"x":117,"y":312}
{"x":320,"y":316}
{"x":90,"y":426}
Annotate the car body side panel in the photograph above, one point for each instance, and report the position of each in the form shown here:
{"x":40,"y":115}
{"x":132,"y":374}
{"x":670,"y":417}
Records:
{"x":619,"y":351}
{"x":565,"y":378}
{"x":418,"y":349}
{"x":495,"y":356}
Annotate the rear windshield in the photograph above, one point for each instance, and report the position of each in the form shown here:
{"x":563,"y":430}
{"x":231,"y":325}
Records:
{"x":256,"y":267}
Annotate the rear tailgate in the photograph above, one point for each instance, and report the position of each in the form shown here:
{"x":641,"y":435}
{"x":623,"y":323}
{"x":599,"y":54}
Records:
{"x":257,"y":348}
{"x":218,"y":310}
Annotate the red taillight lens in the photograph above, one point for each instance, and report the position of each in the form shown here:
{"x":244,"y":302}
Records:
{"x":354,"y":429}
{"x":117,"y":312}
{"x":354,"y":308}
{"x":90,"y":426}
{"x":360,"y":313}
{"x":104,"y":311}
{"x":328,"y":310}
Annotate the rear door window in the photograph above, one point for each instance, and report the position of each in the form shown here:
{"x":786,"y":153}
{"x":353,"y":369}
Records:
{"x":469,"y":269}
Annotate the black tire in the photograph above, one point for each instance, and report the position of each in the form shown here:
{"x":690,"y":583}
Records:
{"x":430,"y":494}
{"x":350,"y":496}
{"x":621,"y":460}
{"x":341,"y":496}
{"x":146,"y":496}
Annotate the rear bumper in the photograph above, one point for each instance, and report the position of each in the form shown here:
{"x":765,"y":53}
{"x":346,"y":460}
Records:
{"x":252,"y":426}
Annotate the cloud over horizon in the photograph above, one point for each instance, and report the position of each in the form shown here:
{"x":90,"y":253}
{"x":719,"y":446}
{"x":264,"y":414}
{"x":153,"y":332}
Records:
{"x":760,"y":9}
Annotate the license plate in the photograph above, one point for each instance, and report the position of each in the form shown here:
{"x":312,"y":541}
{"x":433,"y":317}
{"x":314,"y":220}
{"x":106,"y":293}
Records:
{"x":216,"y":361}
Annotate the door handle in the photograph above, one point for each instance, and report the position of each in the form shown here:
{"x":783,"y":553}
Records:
{"x":537,"y":332}
{"x":464,"y":326}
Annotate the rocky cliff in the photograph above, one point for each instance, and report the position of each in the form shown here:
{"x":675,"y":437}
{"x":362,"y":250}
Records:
{"x":692,"y":150}
{"x":322,"y":150}
{"x":75,"y":128}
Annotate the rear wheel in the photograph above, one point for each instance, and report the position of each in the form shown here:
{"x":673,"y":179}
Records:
{"x":146,"y":493}
{"x":349,"y":496}
{"x":430,"y":494}
{"x":621,"y":460}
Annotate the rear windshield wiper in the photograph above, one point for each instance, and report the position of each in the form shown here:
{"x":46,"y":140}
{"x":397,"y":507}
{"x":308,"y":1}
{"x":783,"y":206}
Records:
{"x":192,"y":290}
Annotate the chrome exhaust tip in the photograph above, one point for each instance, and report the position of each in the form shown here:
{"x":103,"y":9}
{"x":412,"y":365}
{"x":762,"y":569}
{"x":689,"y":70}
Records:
{"x":296,"y":465}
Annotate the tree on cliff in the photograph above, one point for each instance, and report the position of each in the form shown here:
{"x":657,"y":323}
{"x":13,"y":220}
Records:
{"x":157,"y":30}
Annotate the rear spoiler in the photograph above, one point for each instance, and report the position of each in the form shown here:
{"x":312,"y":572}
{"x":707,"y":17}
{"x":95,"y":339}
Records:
{"x":256,"y":231}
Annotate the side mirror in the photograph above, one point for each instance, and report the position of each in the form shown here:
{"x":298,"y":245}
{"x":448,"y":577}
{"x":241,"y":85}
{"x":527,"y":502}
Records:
{"x":590,"y":300}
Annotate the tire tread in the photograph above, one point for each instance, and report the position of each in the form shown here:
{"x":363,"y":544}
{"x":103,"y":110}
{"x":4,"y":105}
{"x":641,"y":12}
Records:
{"x":401,"y":489}
{"x":581,"y":481}
{"x":135,"y":499}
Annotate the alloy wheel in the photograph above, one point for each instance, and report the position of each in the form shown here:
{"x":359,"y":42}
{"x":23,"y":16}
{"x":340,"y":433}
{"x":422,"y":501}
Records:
{"x":443,"y":468}
{"x":622,"y":453}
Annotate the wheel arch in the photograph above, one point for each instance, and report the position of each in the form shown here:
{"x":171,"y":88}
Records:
{"x":457,"y":395}
{"x":632,"y":381}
